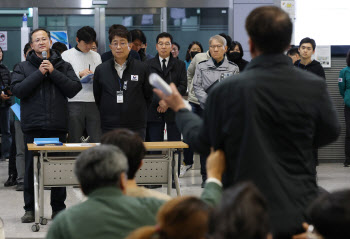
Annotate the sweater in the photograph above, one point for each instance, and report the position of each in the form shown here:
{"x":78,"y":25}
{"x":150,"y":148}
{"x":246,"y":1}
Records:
{"x":81,"y":61}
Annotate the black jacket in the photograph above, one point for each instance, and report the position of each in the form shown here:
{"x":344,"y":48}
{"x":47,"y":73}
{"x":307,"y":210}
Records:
{"x":176,"y":73}
{"x":5,"y":81}
{"x":132,"y":113}
{"x":44,"y":103}
{"x":268,"y":120}
{"x":314,"y":67}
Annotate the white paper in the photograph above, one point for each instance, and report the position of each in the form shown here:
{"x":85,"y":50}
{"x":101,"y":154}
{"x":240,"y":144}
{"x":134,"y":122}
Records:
{"x":323,"y":55}
{"x":3,"y":40}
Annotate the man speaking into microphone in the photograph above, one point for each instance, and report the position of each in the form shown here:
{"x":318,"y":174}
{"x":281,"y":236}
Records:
{"x":43,"y":83}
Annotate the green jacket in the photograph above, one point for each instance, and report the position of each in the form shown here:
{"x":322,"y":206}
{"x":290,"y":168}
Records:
{"x":344,"y":85}
{"x":108,"y":213}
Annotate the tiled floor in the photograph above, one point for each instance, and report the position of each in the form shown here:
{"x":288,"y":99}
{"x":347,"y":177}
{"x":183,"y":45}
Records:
{"x":331,"y":176}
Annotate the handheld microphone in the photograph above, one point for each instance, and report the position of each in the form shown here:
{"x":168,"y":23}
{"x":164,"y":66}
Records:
{"x":44,"y":54}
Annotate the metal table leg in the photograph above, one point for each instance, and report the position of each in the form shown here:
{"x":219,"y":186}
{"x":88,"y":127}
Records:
{"x":170,"y":168}
{"x":176,"y":176}
{"x":36,"y":226}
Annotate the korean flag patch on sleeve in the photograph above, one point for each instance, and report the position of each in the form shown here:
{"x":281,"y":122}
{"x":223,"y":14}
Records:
{"x":340,"y":79}
{"x":134,"y":78}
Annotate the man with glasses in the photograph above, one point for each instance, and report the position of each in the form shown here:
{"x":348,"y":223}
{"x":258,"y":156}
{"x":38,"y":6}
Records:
{"x":43,"y":85}
{"x":214,"y":70}
{"x":121,"y":88}
{"x":171,"y":70}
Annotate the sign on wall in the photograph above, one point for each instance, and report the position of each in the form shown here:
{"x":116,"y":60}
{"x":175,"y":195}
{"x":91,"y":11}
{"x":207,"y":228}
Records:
{"x":323,"y":55}
{"x":3,"y":40}
{"x":60,"y":36}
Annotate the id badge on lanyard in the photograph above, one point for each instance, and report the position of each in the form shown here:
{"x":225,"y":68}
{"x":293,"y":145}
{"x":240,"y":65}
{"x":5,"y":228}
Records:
{"x":120,"y":98}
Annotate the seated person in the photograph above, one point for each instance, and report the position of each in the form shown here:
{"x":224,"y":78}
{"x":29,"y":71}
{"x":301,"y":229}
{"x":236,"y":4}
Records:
{"x":242,"y":214}
{"x":182,"y":212}
{"x":330,"y":217}
{"x":132,"y":146}
{"x":108,"y":213}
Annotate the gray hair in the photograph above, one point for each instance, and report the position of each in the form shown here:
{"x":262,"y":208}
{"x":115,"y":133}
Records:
{"x":219,"y":38}
{"x":99,"y":167}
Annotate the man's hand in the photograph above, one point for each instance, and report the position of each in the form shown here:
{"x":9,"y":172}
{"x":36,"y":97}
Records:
{"x":84,"y":73}
{"x":302,"y":235}
{"x":174,"y":101}
{"x":42,"y":68}
{"x":4,"y":96}
{"x":163,"y":106}
{"x":47,"y":66}
{"x":216,"y":164}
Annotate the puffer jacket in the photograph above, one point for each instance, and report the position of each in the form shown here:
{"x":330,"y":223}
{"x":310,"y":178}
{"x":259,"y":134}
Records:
{"x":44,"y":103}
{"x":5,"y":81}
{"x":207,"y":74}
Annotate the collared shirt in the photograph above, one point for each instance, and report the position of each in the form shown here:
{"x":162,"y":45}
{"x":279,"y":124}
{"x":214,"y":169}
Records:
{"x":120,"y":68}
{"x":166,"y":62}
{"x":217,"y":64}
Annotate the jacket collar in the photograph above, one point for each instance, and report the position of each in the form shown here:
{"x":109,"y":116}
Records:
{"x":269,"y":60}
{"x":106,"y":192}
{"x":171,"y":63}
{"x":55,"y":58}
{"x":224,"y":64}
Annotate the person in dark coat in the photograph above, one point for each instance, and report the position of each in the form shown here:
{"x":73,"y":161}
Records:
{"x":43,"y":86}
{"x":267,"y":120}
{"x":236,"y":54}
{"x":171,"y":70}
{"x":128,"y":76}
{"x":109,"y":55}
{"x":307,"y":48}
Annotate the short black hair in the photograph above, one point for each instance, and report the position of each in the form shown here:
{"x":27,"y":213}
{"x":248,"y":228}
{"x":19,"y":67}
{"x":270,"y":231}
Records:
{"x":86,"y":34}
{"x":242,"y":213}
{"x":26,"y":48}
{"x":131,"y":144}
{"x":138,"y":34}
{"x":60,"y":47}
{"x":116,"y":27}
{"x":270,"y":29}
{"x":37,"y":30}
{"x":119,"y":33}
{"x":293,"y":51}
{"x":228,"y":40}
{"x":164,"y":34}
{"x":96,"y":42}
{"x":330,"y":214}
{"x":236,"y":43}
{"x":308,"y":40}
{"x":188,"y":55}
{"x":177,"y":44}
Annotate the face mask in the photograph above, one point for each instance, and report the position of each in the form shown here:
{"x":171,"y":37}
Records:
{"x":193,"y":53}
{"x":233,"y":56}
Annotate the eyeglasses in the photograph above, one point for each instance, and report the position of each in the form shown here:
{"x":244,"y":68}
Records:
{"x":40,"y":40}
{"x":215,"y":46}
{"x":312,"y":234}
{"x":121,"y":44}
{"x":161,"y":44}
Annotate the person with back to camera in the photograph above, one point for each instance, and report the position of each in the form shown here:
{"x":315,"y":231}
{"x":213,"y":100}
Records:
{"x":267,"y":120}
{"x":235,"y":55}
{"x":134,"y":149}
{"x":344,"y":89}
{"x":242,"y":213}
{"x":181,"y":218}
{"x":110,"y":214}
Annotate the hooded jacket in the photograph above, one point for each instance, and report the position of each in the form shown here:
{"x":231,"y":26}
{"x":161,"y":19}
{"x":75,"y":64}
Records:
{"x":44,"y":103}
{"x":314,"y":67}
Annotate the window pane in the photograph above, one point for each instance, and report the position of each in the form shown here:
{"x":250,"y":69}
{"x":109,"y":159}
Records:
{"x":196,"y":24}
